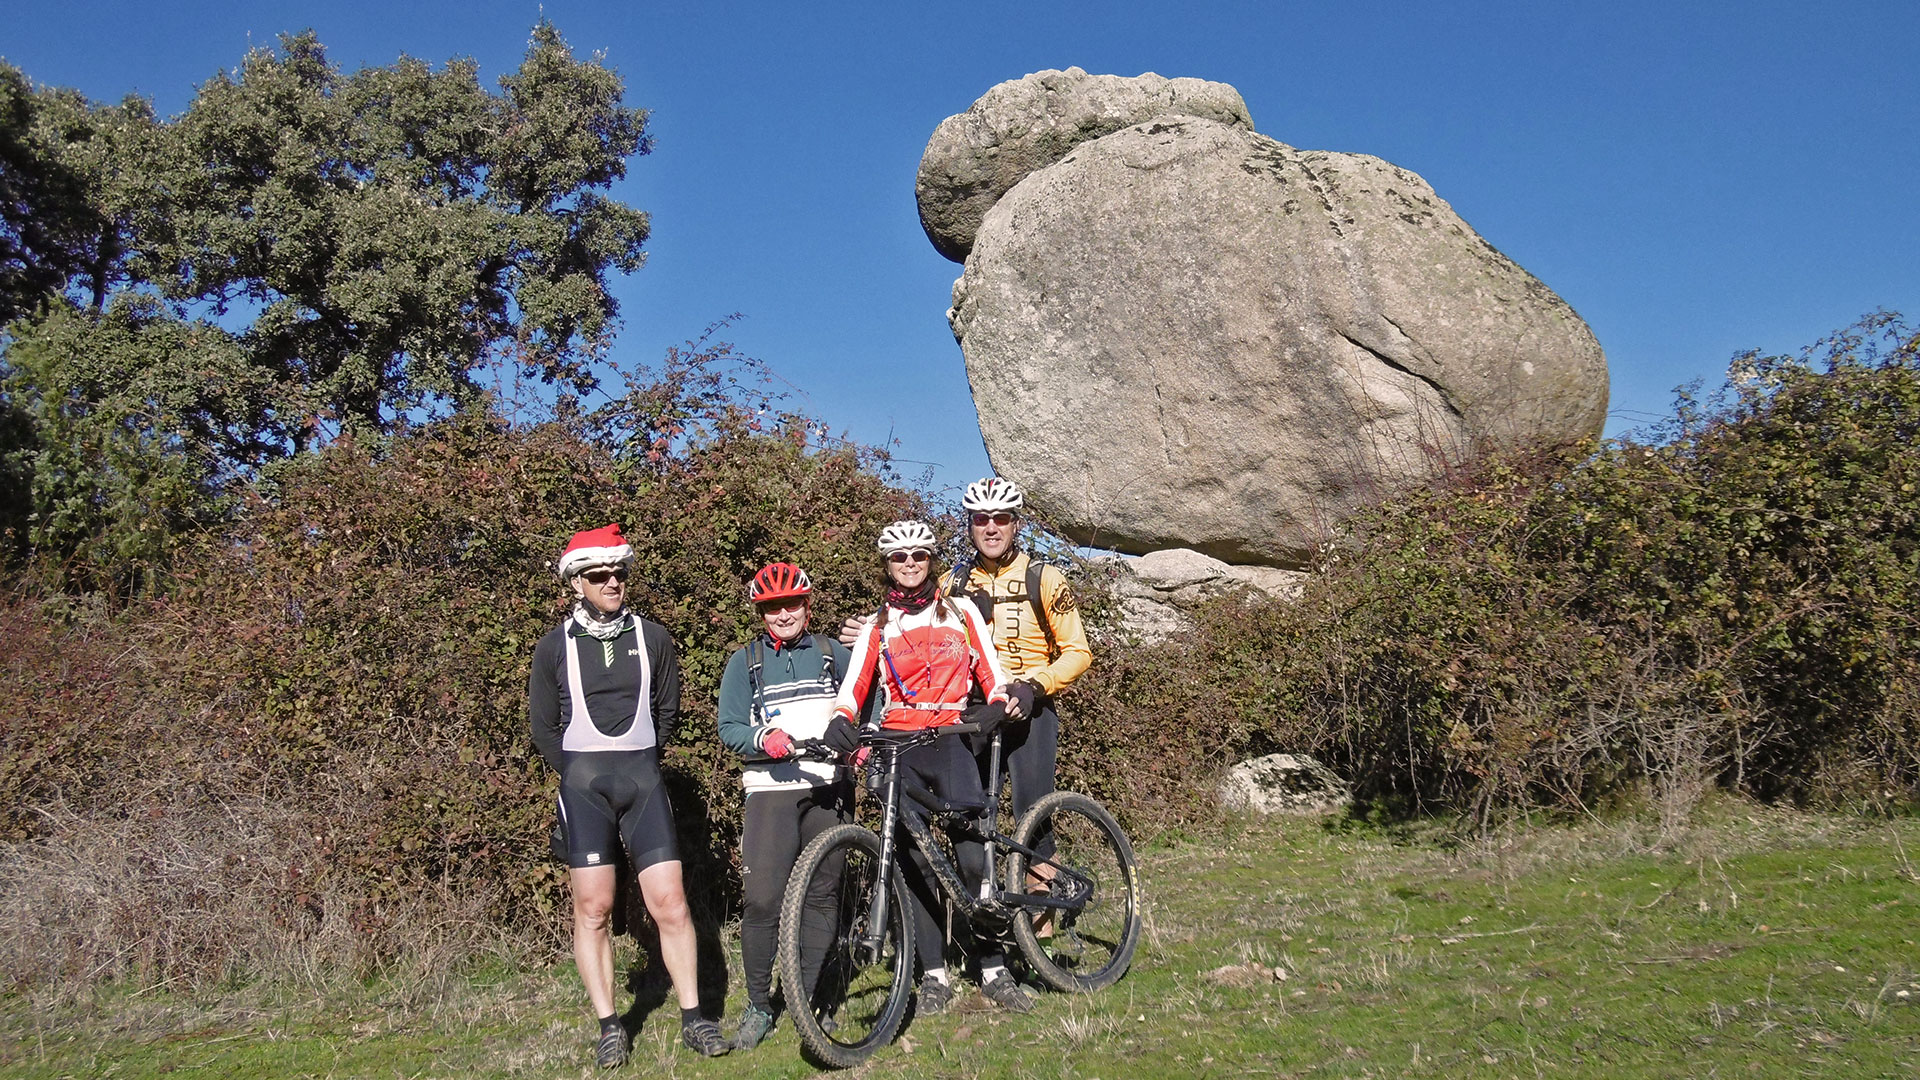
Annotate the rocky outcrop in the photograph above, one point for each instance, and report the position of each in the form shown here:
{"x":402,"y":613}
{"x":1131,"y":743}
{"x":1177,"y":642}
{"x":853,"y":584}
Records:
{"x":1155,"y":589}
{"x":1030,"y":123}
{"x":1191,"y":335}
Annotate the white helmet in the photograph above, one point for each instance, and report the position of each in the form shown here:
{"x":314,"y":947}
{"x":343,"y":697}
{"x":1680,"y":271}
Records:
{"x":992,"y":494}
{"x":907,"y":536}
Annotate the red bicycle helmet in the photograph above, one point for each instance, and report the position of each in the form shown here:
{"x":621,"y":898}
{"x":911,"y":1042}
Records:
{"x":779,"y":581}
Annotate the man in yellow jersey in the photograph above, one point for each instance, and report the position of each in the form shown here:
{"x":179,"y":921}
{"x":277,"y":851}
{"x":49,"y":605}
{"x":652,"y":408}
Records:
{"x":1036,"y":630}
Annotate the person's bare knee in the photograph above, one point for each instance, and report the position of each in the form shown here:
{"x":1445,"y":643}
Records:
{"x":666,"y":897}
{"x":592,"y":914}
{"x":670,"y":911}
{"x":592,"y":900}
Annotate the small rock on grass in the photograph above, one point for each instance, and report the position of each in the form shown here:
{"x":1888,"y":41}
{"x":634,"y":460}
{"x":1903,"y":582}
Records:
{"x":1245,"y":975}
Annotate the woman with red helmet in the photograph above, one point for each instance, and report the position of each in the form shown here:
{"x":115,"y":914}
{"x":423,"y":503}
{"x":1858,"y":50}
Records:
{"x":777,"y":689}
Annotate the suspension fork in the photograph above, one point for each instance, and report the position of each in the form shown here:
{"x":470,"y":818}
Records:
{"x":883,"y":898}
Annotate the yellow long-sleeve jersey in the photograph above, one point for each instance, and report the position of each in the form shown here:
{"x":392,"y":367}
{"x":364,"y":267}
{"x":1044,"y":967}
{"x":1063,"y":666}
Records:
{"x":1017,"y":634}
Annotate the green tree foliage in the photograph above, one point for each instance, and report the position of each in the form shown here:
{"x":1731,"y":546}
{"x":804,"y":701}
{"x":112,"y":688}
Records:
{"x":303,"y":254}
{"x":46,"y":216}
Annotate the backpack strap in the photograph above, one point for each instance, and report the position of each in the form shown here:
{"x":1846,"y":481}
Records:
{"x":958,"y":578}
{"x":1034,"y":566}
{"x":826,"y":659}
{"x":756,"y":683}
{"x":886,"y":658}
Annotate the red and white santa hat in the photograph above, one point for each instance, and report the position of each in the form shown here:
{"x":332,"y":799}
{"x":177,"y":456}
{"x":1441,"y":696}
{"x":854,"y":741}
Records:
{"x":593,"y":547}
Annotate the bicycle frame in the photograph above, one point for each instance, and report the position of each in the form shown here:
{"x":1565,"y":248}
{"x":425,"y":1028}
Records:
{"x":993,"y":903}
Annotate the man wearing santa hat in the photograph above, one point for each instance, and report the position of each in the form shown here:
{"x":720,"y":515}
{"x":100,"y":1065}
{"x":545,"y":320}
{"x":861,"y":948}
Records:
{"x":603,"y":697}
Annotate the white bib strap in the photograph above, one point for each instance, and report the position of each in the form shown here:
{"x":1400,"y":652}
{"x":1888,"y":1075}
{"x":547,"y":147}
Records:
{"x":582,"y":734}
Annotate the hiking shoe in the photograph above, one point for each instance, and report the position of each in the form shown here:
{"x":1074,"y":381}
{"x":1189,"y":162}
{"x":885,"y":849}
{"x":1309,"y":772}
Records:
{"x":935,"y":996}
{"x":1005,"y":991}
{"x":755,"y":1023}
{"x":611,"y":1051}
{"x":703,"y":1037}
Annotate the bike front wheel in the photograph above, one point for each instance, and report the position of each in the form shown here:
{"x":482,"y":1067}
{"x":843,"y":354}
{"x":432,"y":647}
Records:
{"x":846,"y":971}
{"x":1089,"y":942}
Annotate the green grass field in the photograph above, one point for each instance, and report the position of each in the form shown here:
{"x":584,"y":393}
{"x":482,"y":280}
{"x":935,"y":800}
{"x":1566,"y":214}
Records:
{"x":1750,"y":943}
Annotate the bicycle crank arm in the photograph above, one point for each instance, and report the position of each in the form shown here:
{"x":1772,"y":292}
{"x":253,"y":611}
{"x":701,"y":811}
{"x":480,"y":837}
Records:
{"x":1041,"y":900}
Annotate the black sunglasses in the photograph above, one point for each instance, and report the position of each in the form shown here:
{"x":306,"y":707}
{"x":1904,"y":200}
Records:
{"x":1001,"y":518}
{"x":600,"y":577}
{"x":909,"y":556}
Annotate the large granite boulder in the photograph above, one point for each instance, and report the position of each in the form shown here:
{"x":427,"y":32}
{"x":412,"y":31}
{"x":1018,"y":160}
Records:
{"x":1030,"y":123}
{"x":1187,"y":334}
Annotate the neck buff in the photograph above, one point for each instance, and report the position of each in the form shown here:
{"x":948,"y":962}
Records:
{"x":994,"y":566}
{"x":912,"y":601}
{"x":777,"y":644}
{"x":604,"y":627}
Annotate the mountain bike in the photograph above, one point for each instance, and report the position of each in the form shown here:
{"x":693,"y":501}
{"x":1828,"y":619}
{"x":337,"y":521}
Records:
{"x":1064,"y":884}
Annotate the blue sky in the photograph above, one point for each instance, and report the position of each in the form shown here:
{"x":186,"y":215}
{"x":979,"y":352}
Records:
{"x":1694,"y":178}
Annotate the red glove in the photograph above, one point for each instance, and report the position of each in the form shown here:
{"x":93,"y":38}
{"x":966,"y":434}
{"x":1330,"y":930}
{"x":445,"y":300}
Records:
{"x":860,"y":756}
{"x":777,"y":744}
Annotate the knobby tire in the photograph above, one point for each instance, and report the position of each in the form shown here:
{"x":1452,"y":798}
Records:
{"x":863,"y":1003}
{"x":1091,"y":946}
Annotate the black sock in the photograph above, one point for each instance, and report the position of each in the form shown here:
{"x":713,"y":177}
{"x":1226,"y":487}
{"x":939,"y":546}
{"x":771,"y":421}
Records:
{"x":690,"y":1016}
{"x":609,"y":1023}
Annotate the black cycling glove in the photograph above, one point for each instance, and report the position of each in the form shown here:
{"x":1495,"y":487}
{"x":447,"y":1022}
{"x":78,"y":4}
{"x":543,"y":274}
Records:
{"x":1022,"y":694}
{"x":841,"y":735}
{"x":989,"y":717}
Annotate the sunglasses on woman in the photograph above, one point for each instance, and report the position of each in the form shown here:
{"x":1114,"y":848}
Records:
{"x":1001,"y":518}
{"x":602,"y":576}
{"x":909,"y":556}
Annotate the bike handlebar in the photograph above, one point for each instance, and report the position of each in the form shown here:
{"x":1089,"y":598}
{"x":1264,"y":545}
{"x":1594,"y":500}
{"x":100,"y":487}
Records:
{"x":803,"y":750}
{"x":818,"y":750}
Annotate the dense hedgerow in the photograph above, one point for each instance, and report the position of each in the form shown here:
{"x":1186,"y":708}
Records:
{"x":353,"y":654}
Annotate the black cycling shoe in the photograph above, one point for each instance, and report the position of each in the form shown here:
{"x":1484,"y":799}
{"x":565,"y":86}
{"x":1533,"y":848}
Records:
{"x":611,"y":1051}
{"x":1005,"y":991}
{"x":755,"y":1024}
{"x":935,"y":996}
{"x":703,"y":1037}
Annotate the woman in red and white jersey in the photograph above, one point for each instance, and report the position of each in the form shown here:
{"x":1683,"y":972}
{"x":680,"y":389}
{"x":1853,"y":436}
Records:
{"x":925,"y":654}
{"x":922,"y":651}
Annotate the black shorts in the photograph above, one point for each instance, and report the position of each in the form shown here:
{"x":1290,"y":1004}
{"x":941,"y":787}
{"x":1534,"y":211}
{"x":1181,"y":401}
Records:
{"x":611,"y":796}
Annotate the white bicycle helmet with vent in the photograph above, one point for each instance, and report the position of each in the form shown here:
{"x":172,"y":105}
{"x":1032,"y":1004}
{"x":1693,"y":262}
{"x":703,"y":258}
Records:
{"x":991,"y":494}
{"x":907,"y":536}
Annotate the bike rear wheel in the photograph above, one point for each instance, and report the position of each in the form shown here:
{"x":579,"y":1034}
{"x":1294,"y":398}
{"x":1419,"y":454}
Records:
{"x":1091,"y":943}
{"x":846,"y":1001}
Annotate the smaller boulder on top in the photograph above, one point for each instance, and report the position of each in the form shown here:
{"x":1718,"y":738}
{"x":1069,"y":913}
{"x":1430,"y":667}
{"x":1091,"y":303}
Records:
{"x":1025,"y":124}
